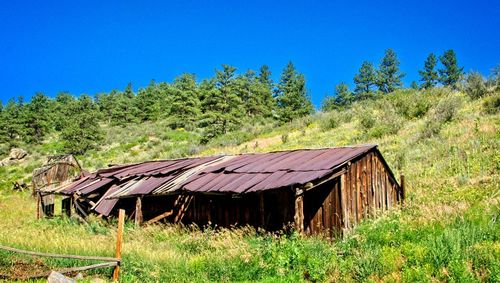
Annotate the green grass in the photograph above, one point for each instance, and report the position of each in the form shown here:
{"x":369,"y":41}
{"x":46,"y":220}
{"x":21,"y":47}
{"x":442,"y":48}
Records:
{"x":447,"y":232}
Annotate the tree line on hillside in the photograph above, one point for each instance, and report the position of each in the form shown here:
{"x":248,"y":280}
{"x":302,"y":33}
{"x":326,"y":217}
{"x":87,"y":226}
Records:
{"x":370,"y":82}
{"x":215,"y":106}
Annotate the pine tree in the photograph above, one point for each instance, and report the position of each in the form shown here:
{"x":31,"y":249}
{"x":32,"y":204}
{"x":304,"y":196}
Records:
{"x":245,"y":89}
{"x":37,"y":118}
{"x":291,"y":95}
{"x":62,"y":109}
{"x":365,"y":80}
{"x":429,"y":76}
{"x":388,"y":75}
{"x":265,"y":88}
{"x":12,"y":127}
{"x":221,"y":105}
{"x":265,"y":76}
{"x":328,"y":103}
{"x":414,"y":85}
{"x":342,"y":98}
{"x":256,"y":95}
{"x":152,"y":102}
{"x":213,"y":119}
{"x":185,"y":102}
{"x":451,"y":72}
{"x":124,"y":108}
{"x":82,"y":131}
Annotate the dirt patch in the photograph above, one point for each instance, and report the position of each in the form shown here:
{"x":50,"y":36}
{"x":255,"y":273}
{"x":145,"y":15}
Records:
{"x":20,"y":269}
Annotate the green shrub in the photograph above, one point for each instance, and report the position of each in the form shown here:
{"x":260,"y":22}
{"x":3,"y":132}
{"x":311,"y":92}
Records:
{"x":231,"y":139}
{"x":378,"y":119}
{"x":329,"y":121}
{"x":491,"y":104}
{"x":284,"y":138}
{"x":444,"y":112}
{"x":447,"y":109}
{"x":475,"y":85}
{"x":366,"y":120}
{"x":410,"y":103}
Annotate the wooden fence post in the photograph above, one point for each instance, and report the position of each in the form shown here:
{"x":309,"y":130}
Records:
{"x":119,"y":240}
{"x":38,"y":205}
{"x":403,"y":193}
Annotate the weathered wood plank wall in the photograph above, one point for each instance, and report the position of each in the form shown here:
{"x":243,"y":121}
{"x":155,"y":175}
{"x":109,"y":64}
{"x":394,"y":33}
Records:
{"x":365,"y":190}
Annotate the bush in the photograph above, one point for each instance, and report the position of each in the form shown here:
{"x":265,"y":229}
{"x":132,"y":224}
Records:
{"x":329,"y":121}
{"x":475,"y":86}
{"x":445,"y":111}
{"x":491,"y":105}
{"x":379,"y":120}
{"x":231,"y":139}
{"x":410,"y":103}
{"x":284,"y":138}
{"x":366,"y":120}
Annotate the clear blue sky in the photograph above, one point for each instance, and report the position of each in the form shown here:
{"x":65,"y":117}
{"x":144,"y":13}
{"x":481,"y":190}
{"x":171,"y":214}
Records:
{"x":96,"y":46}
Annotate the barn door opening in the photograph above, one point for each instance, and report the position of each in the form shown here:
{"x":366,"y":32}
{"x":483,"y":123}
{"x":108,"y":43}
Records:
{"x":322,"y":211}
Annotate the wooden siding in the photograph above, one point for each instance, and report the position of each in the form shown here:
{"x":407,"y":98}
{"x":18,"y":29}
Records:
{"x":322,"y":209}
{"x":365,"y":189}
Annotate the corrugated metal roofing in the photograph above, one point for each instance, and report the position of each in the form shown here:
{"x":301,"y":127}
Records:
{"x":231,"y":174}
{"x":257,"y":172}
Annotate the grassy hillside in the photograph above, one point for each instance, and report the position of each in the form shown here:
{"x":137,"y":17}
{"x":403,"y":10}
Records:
{"x":446,"y":144}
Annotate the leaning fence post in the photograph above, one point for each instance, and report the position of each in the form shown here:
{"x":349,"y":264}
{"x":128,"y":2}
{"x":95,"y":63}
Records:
{"x":119,"y":240}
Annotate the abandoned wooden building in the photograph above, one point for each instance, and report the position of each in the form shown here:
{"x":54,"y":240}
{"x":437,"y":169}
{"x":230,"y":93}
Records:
{"x":316,"y":190}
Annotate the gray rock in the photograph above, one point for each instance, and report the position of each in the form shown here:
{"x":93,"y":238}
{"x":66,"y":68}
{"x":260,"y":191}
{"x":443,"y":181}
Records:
{"x":17,"y":153}
{"x":56,"y":277}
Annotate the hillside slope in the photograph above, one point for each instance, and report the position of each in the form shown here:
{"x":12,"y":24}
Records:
{"x":445,"y":143}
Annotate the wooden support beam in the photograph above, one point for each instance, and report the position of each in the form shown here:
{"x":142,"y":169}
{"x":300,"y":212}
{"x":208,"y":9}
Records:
{"x":119,"y":242}
{"x":344,"y":202}
{"x":262,"y":216}
{"x":160,"y":217}
{"x":403,"y":192}
{"x":309,"y":186}
{"x":299,"y":211}
{"x":66,"y":204}
{"x":138,"y":211}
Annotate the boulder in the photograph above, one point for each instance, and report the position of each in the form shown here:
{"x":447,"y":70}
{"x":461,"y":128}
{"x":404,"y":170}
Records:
{"x":17,"y":153}
{"x":56,"y":277}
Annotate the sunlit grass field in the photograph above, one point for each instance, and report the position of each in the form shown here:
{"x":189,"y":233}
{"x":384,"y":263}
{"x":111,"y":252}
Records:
{"x":446,"y":144}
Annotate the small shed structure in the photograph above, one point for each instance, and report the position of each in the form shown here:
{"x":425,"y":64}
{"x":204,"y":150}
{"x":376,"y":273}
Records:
{"x":57,"y":171}
{"x":317,"y":190}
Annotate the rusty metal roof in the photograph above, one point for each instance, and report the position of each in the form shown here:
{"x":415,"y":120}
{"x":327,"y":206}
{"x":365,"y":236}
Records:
{"x":243,"y":173}
{"x":257,"y":172}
